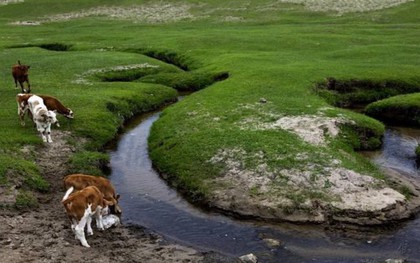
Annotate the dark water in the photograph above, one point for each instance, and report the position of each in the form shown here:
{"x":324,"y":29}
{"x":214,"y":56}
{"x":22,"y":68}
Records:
{"x":149,"y":202}
{"x":398,"y":151}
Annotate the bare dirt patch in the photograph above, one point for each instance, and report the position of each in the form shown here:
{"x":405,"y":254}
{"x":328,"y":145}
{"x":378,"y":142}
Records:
{"x":346,"y":6}
{"x":83,"y":78}
{"x":148,"y":13}
{"x":308,"y":191}
{"x":43,"y":234}
{"x":7,"y":2}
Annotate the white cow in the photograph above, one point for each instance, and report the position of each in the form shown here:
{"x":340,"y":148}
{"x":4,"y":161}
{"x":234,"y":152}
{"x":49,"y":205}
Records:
{"x":42,"y":117}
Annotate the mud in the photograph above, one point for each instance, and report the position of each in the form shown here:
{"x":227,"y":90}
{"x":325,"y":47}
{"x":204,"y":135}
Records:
{"x":43,"y":234}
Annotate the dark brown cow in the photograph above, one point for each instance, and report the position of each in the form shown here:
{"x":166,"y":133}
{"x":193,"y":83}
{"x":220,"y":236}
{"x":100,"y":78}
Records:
{"x":20,"y":74}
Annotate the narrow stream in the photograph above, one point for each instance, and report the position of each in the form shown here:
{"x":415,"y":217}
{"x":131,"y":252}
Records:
{"x":147,"y":201}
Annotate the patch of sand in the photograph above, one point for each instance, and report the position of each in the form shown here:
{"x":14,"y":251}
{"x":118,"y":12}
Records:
{"x":7,"y":2}
{"x":346,"y":6}
{"x":313,"y":129}
{"x":148,"y":13}
{"x":83,"y":78}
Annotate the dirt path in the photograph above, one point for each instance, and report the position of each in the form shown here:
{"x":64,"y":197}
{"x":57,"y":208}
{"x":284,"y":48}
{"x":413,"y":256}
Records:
{"x":44,"y":234}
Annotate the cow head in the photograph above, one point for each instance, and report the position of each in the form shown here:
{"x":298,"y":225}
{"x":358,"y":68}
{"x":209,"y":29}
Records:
{"x":115,"y":208}
{"x":69,"y":114}
{"x":52,"y":117}
{"x":24,"y":69}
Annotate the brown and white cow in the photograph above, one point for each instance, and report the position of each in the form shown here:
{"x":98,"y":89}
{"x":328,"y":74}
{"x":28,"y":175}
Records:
{"x":80,"y":181}
{"x":52,"y":104}
{"x":23,"y":107}
{"x":20,"y":74}
{"x":81,"y":206}
{"x":42,"y":117}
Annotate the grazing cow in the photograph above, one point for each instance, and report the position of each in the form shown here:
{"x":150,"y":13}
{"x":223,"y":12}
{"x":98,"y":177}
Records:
{"x":20,"y":74}
{"x":42,"y":117}
{"x":80,"y":181}
{"x":81,"y":206}
{"x":52,"y":104}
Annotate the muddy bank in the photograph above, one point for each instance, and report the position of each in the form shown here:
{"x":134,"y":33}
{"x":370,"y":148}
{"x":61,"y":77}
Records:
{"x":43,"y":234}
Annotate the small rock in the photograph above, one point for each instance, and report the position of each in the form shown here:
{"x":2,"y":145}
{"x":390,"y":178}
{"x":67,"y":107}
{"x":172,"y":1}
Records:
{"x":272,"y":242}
{"x":263,"y":100}
{"x":7,"y":241}
{"x":110,"y":220}
{"x":250,"y":258}
{"x":391,"y":260}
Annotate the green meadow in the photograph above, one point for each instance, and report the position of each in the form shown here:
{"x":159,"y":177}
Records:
{"x":249,"y":63}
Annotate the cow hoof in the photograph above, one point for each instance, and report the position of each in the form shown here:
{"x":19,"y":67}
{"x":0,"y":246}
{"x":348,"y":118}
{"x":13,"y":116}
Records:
{"x":90,"y":233}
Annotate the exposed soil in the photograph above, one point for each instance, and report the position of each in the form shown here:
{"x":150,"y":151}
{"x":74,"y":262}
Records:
{"x":342,"y":195}
{"x":43,"y":234}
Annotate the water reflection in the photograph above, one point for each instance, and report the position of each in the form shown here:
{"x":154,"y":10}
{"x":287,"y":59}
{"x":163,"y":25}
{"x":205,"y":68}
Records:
{"x":398,"y":151}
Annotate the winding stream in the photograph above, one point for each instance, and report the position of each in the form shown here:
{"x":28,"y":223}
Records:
{"x":148,"y":201}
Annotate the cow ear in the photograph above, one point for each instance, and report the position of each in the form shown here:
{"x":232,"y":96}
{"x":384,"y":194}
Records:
{"x":117,"y":197}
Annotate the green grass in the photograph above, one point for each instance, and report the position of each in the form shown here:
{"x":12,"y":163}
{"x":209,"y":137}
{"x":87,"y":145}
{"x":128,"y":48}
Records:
{"x":278,"y":54}
{"x":403,"y":109}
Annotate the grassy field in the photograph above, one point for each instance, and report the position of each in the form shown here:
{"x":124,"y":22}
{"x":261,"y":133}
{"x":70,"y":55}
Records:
{"x":109,"y":61}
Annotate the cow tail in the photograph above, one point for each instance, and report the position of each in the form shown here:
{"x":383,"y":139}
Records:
{"x":67,"y":194}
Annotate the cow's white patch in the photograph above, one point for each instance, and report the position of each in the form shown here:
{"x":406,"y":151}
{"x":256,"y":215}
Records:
{"x":80,"y":227}
{"x":68,"y":192}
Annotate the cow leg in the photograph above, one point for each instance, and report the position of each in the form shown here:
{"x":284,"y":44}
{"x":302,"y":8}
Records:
{"x":44,"y":138}
{"x":22,"y":87}
{"x":98,"y":218}
{"x":73,"y":227}
{"x":41,"y":131}
{"x":21,"y":113}
{"x":48,"y":131}
{"x":16,"y":82}
{"x":29,"y":86}
{"x":80,"y":228}
{"x":30,"y":115}
{"x":89,"y":227}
